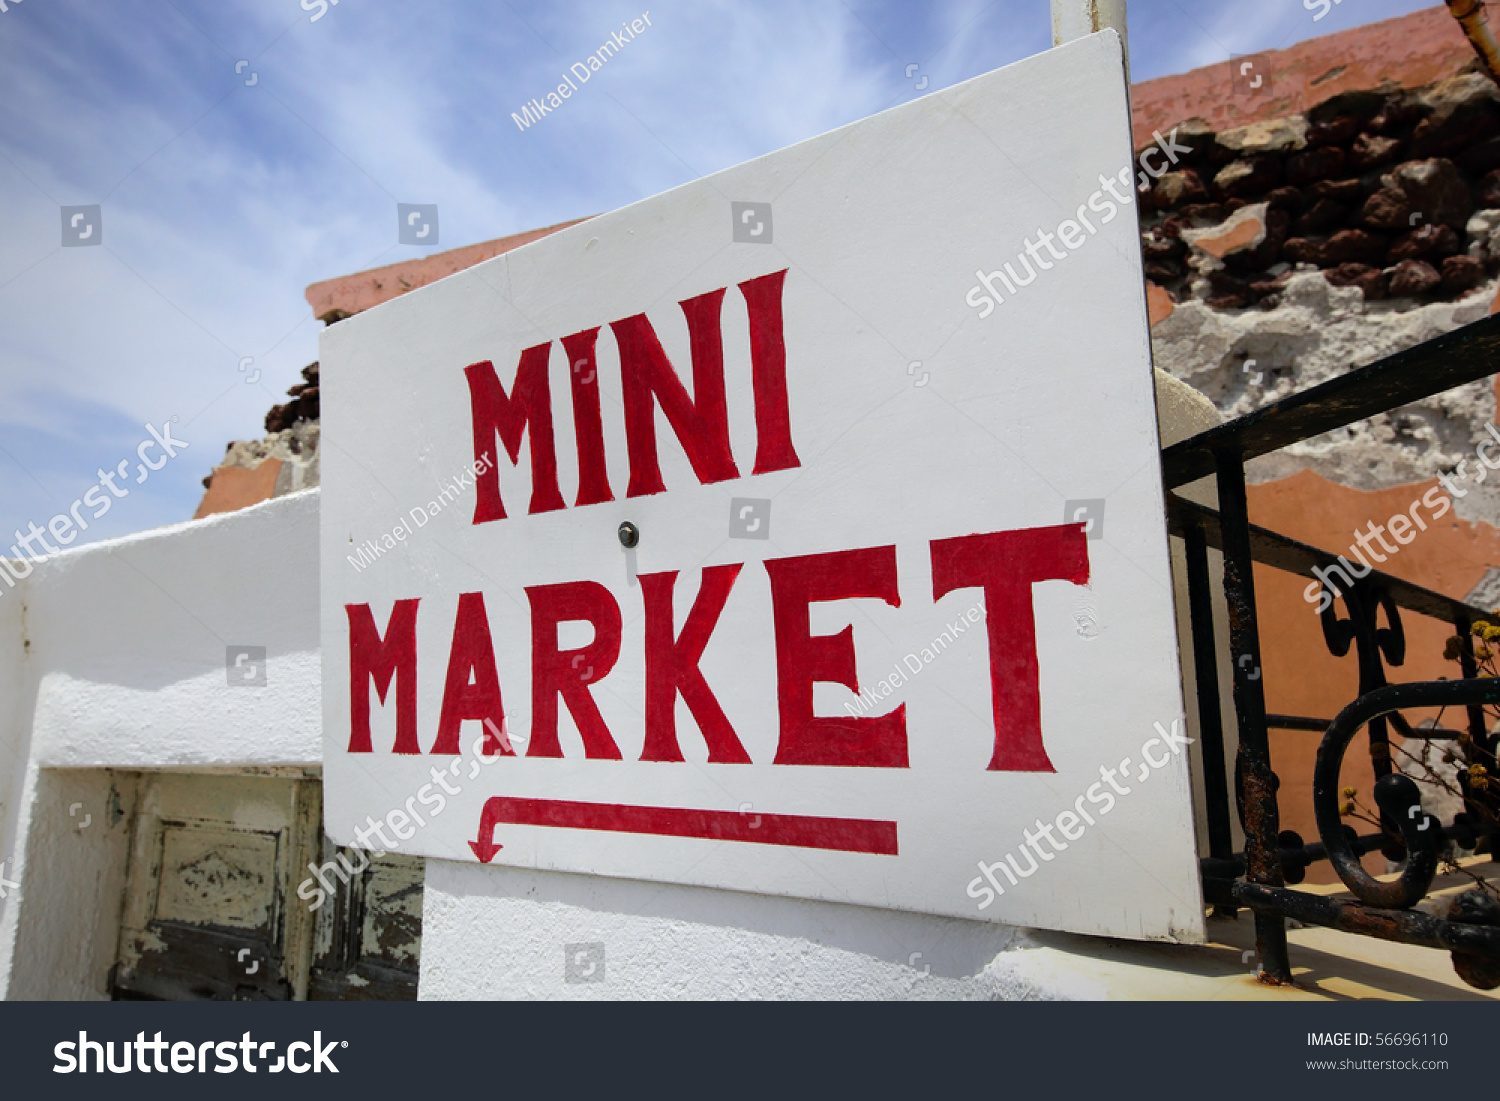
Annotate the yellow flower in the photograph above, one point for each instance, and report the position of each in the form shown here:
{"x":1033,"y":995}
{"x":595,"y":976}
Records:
{"x":1478,"y":627}
{"x":1482,"y":652}
{"x":1491,"y":633}
{"x":1346,"y":810}
{"x":1351,"y":792}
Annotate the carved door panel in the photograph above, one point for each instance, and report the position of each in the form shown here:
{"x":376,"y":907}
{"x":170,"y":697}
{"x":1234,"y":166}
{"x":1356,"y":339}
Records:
{"x":208,"y":912}
{"x":368,"y":939}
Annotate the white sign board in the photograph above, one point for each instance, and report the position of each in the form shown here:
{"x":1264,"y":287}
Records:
{"x":896,"y":628}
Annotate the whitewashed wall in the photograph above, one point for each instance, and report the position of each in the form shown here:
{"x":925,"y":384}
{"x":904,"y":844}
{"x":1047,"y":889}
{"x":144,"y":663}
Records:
{"x":112,"y":657}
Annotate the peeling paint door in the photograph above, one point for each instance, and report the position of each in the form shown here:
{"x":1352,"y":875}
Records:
{"x":368,"y":941}
{"x":207,"y":914}
{"x":212,"y":910}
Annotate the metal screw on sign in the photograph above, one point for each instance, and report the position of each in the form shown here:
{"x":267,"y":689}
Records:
{"x":630,"y":535}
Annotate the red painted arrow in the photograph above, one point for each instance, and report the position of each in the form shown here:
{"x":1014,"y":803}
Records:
{"x":800,"y":831}
{"x":485,"y":848}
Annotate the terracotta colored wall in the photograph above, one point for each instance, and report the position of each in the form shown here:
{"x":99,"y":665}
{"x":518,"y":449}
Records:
{"x":234,"y":487}
{"x":1301,"y":676}
{"x":346,"y":295}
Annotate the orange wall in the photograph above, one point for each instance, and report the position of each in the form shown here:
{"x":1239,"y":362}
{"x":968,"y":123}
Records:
{"x":1301,"y":676}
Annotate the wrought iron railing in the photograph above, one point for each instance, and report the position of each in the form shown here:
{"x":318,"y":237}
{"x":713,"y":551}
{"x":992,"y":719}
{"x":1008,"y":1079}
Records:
{"x":1257,"y":877}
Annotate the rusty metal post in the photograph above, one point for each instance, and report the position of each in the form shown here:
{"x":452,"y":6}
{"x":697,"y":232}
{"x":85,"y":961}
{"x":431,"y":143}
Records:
{"x":1471,"y":17}
{"x":1076,"y":18}
{"x":1262,"y":826}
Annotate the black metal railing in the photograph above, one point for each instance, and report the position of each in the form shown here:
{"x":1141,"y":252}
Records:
{"x":1257,"y":877}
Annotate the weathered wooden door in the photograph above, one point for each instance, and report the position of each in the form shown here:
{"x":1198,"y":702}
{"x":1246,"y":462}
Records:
{"x":211,"y":907}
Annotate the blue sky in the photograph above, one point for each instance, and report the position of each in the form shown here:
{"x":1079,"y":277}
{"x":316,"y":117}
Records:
{"x":224,"y":194}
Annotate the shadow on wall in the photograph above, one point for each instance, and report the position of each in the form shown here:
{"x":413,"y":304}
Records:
{"x":643,"y":926}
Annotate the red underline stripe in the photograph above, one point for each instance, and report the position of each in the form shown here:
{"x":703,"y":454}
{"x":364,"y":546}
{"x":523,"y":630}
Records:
{"x":860,"y":835}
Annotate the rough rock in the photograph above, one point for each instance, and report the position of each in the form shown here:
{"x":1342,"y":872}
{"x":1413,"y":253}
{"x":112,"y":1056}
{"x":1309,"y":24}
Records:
{"x":1176,"y":188}
{"x":1336,"y":131}
{"x":1372,"y":150}
{"x":1462,"y":273}
{"x":1483,"y":232}
{"x":1247,"y":178}
{"x":1463,"y":111}
{"x":1354,"y":245}
{"x":1270,"y":136}
{"x":1303,"y":250}
{"x":1163,"y":248}
{"x":1242,"y":230}
{"x":1346,"y":192}
{"x":1319,"y":331}
{"x":1424,"y":243}
{"x":1360,"y":105}
{"x":1388,"y":208}
{"x":1315,"y":164}
{"x":1288,"y":199}
{"x":1322,"y":216}
{"x":1434,"y":189}
{"x":1370,"y":280}
{"x":1489,"y":189}
{"x":1479,"y":158}
{"x":303,"y":407}
{"x":1413,"y":278}
{"x":296,"y":447}
{"x":1195,"y":133}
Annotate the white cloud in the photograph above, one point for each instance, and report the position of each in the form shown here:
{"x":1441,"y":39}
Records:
{"x":222,"y":202}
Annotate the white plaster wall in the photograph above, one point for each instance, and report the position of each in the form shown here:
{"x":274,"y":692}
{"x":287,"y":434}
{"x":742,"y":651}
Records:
{"x":60,"y":941}
{"x":113,"y":657}
{"x":128,"y":642}
{"x":500,"y":933}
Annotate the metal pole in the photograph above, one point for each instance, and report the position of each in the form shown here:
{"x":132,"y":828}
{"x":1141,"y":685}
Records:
{"x":1076,"y":18}
{"x":1262,"y":830}
{"x":1470,"y":15}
